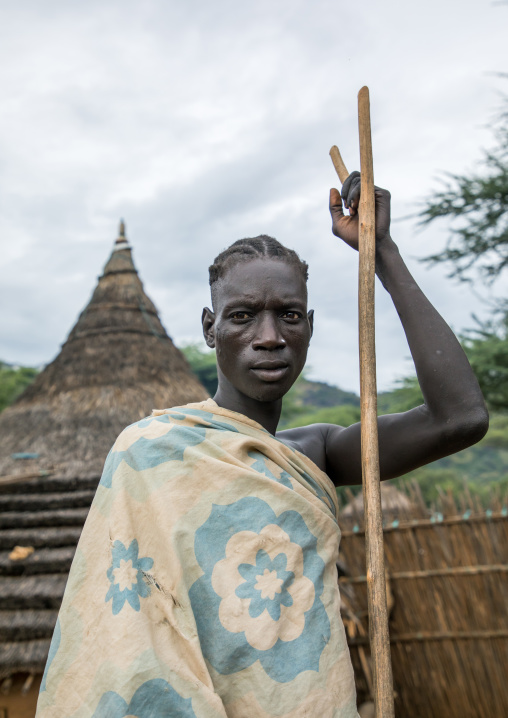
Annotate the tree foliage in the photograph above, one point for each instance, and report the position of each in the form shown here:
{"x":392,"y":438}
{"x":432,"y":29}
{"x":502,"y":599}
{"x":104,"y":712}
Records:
{"x":303,"y":399}
{"x":203,"y":364}
{"x":477,"y":204}
{"x":405,"y":396}
{"x":13,"y":380}
{"x":343,"y":415}
{"x":483,"y":467}
{"x":486,"y":347}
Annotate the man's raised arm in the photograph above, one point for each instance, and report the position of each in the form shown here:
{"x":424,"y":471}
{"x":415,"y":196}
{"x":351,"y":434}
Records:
{"x":454,"y":414}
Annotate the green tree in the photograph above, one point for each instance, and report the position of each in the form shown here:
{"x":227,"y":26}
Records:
{"x":302,"y":399}
{"x":405,"y":396}
{"x":487,"y":349}
{"x":343,"y":415}
{"x":477,"y":205}
{"x":203,"y":364}
{"x":13,"y":380}
{"x":497,"y":435}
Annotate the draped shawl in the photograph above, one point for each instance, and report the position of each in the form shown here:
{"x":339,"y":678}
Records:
{"x":204,"y":584}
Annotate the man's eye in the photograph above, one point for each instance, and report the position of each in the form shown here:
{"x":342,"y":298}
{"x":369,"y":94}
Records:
{"x":291,"y":315}
{"x":240,"y":315}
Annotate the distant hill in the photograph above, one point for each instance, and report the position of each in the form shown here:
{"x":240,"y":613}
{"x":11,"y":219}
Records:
{"x":305,"y":393}
{"x":484,"y":467}
{"x":321,"y":395}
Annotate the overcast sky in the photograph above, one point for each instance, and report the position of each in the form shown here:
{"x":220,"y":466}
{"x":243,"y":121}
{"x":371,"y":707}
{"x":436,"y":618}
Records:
{"x":202,"y":122}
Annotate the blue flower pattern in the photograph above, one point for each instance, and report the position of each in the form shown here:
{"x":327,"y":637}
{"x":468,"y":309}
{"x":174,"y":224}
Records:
{"x":206,"y":416}
{"x":126,"y":576}
{"x":53,"y":650}
{"x":232,"y":648}
{"x":271,"y":593}
{"x":285,"y":478}
{"x":153,"y":699}
{"x":319,"y":492}
{"x":260,"y":465}
{"x":277,"y":579}
{"x":147,"y":454}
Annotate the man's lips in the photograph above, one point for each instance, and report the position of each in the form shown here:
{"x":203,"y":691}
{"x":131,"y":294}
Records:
{"x":270,"y":371}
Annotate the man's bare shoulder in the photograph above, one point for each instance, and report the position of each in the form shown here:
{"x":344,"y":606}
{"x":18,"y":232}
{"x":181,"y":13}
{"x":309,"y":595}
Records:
{"x":310,"y":440}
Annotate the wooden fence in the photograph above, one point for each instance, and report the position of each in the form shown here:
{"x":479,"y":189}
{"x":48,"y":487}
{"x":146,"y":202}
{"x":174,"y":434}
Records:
{"x":447,"y":579}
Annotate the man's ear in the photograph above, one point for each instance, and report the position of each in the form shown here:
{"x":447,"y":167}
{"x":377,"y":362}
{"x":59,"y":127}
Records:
{"x":310,"y":317}
{"x":208,"y":323}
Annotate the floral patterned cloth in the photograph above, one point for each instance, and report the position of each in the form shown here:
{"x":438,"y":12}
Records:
{"x":204,"y":583}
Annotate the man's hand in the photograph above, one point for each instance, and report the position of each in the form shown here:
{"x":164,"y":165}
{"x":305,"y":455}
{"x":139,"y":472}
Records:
{"x":453,"y":415}
{"x":346,"y":227}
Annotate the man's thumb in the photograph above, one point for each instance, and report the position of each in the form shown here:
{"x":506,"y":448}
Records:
{"x":336,"y":203}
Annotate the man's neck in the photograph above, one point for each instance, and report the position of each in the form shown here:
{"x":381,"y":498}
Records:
{"x":266,"y":413}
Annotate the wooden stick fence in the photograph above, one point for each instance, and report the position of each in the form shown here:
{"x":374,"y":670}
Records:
{"x":452,"y":571}
{"x":449,"y":621}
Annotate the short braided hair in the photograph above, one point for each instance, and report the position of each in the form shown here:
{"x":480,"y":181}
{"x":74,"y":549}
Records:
{"x":254,"y":248}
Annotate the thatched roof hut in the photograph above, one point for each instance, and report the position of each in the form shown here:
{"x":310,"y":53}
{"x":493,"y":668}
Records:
{"x":394,"y":504}
{"x":117,"y":364}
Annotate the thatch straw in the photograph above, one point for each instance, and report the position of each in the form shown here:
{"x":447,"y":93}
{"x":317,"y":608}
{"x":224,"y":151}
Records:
{"x":394,"y":503}
{"x":23,"y":656}
{"x":32,"y":585}
{"x":46,"y":483}
{"x":117,"y":364}
{"x":32,"y":591}
{"x":64,"y":517}
{"x":449,"y":623}
{"x":44,"y":560}
{"x":46,"y":502}
{"x":26,"y":625}
{"x":40,"y":537}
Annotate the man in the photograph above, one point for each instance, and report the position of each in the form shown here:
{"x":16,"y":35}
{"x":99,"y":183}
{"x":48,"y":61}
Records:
{"x":204,"y":583}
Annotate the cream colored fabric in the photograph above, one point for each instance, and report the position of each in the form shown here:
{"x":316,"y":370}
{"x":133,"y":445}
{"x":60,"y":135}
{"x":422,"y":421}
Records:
{"x":204,"y":583}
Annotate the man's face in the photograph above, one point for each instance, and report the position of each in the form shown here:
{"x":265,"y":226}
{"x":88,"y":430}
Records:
{"x":260,"y":328}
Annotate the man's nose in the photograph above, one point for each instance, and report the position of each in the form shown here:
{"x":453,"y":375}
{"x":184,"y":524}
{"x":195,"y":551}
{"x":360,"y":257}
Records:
{"x":268,"y":334}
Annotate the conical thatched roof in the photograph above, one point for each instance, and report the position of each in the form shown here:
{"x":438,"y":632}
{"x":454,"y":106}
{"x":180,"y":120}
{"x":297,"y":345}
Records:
{"x":393,"y":503}
{"x":117,"y":364}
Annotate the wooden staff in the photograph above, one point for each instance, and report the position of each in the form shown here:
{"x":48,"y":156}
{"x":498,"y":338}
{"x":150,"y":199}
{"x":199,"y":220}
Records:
{"x":376,"y":585}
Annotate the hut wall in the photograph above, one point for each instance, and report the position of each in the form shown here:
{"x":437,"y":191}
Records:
{"x":18,"y":699}
{"x":448,"y":581}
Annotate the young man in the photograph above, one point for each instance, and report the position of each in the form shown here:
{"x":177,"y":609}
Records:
{"x":204,"y":583}
{"x":248,"y":327}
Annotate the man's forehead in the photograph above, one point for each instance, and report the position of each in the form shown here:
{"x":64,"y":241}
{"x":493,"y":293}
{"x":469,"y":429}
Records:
{"x":256,"y":279}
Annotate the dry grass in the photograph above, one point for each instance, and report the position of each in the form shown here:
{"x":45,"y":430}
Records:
{"x":448,"y":577}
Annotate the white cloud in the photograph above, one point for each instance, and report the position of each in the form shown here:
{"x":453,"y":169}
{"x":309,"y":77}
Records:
{"x":201,"y":123}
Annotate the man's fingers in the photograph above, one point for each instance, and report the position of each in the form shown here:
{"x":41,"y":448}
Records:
{"x":336,"y":203}
{"x":351,"y":189}
{"x":346,"y":186}
{"x":353,"y":197}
